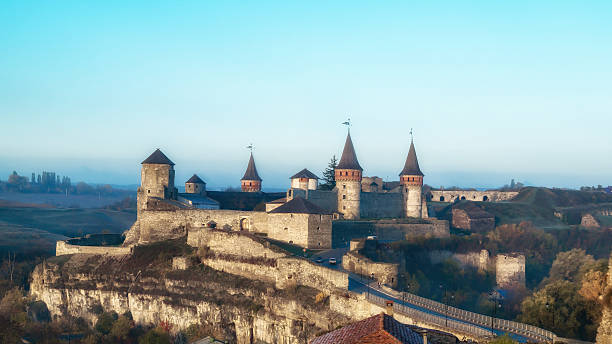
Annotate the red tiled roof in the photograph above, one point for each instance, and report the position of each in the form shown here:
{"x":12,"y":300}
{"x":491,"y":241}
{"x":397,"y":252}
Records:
{"x":380,"y":329}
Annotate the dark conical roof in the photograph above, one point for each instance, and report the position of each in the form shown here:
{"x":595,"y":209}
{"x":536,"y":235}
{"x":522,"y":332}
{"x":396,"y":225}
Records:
{"x":305,"y":174}
{"x":298,"y":205}
{"x":195,"y":180}
{"x":251,"y":171}
{"x":348,"y":160}
{"x":158,"y":158}
{"x":411,"y":167}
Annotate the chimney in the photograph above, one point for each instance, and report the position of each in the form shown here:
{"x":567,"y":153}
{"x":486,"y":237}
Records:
{"x":389,"y":308}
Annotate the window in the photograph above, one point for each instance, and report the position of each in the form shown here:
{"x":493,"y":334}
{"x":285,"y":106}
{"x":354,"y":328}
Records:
{"x":343,"y":196}
{"x":318,"y":228}
{"x":343,"y":207}
{"x":344,"y":186}
{"x":148,"y":191}
{"x":286,"y":228}
{"x":319,"y":244}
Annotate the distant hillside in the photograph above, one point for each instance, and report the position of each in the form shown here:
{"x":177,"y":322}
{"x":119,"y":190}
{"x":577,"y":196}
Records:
{"x":34,"y":229}
{"x":539,"y":206}
{"x":553,"y":198}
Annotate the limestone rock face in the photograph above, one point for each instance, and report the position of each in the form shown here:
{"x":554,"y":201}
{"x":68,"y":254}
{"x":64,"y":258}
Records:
{"x":233,"y":308}
{"x":604,"y":334}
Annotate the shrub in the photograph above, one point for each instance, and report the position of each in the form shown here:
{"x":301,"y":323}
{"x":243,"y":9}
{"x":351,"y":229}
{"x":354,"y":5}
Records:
{"x":155,"y":336}
{"x":105,"y":322}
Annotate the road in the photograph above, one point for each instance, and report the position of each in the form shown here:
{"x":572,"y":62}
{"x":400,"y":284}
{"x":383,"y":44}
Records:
{"x":359,"y":285}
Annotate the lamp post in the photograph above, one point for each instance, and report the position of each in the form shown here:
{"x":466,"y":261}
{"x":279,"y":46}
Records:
{"x":496,"y":304}
{"x":445,"y":302}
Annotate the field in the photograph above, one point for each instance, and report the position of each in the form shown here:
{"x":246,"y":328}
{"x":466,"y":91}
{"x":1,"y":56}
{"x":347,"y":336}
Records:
{"x":34,"y":229}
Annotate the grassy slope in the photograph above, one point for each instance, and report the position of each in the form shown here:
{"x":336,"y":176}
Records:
{"x":36,"y":229}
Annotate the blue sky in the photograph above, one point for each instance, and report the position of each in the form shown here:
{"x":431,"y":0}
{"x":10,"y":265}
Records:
{"x":494,"y":90}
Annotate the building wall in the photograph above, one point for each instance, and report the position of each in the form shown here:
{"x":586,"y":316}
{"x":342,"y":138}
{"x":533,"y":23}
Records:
{"x":488,"y":196}
{"x":589,"y":221}
{"x":477,"y":260}
{"x":319,"y":231}
{"x":291,"y":227}
{"x":195,"y":188}
{"x":304,"y":183}
{"x":510,"y":269}
{"x":462,"y":220}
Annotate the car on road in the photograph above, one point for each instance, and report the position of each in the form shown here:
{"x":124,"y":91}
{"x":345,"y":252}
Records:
{"x":332,"y":260}
{"x":319,"y":260}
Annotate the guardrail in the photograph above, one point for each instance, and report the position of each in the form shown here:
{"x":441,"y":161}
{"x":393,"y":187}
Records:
{"x":432,"y":318}
{"x":525,"y":330}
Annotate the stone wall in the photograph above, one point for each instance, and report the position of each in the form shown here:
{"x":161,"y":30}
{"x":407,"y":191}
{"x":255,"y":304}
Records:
{"x":461,"y":219}
{"x":62,"y":248}
{"x":486,"y":196}
{"x":589,"y":221}
{"x":385,"y":273}
{"x":244,"y":255}
{"x":376,"y":205}
{"x":325,"y":199}
{"x":510,"y":270}
{"x":477,"y":260}
{"x":308,"y":230}
{"x":393,"y":230}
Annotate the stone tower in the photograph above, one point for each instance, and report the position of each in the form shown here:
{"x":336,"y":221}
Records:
{"x":348,"y":181}
{"x":411,"y":179}
{"x":156,"y":179}
{"x":195,"y":185}
{"x":251,"y":182}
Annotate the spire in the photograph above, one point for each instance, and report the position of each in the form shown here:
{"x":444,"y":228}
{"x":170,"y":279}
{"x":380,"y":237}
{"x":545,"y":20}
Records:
{"x":158,"y":158}
{"x":411,"y":167}
{"x":348,"y":161}
{"x":251,"y":171}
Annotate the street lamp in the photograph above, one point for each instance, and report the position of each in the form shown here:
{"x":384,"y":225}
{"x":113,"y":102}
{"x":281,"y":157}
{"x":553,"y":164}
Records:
{"x":445,"y":302}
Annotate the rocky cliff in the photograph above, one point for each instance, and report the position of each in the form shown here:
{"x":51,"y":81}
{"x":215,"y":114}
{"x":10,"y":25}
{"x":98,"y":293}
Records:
{"x":604,"y":334}
{"x":237,"y":309}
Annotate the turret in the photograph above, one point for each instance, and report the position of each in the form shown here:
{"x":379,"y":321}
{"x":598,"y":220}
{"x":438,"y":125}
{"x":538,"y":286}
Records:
{"x":251,"y":182}
{"x":304,"y":180}
{"x":195,"y":185}
{"x":348,"y":181}
{"x":411,"y":179}
{"x":156,"y":179}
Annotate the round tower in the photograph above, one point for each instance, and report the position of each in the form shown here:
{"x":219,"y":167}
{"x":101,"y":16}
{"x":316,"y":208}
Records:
{"x":156,"y":179}
{"x":251,"y":182}
{"x":411,"y":180}
{"x":348,"y":176}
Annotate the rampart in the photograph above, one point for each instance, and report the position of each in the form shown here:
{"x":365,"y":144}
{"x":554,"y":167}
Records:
{"x":248,"y":256}
{"x":393,"y":230}
{"x":385,"y":273}
{"x":482,"y":196}
{"x":62,"y":248}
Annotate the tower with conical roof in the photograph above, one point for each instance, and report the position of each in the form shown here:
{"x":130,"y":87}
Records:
{"x":251,"y":182}
{"x":156,"y":179}
{"x":411,"y":180}
{"x":195,"y":185}
{"x":348,"y":176}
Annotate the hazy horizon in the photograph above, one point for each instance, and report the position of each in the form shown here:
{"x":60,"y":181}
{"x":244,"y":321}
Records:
{"x":494,"y":91}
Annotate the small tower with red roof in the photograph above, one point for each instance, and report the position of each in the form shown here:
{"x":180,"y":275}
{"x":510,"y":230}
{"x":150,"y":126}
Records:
{"x":348,"y":176}
{"x":251,"y":182}
{"x":411,"y":180}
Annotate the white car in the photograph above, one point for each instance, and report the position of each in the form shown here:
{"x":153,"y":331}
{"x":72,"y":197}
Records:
{"x":332,"y":260}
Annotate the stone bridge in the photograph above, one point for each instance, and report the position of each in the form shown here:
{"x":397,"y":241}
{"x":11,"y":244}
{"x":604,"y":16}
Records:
{"x":479,"y":196}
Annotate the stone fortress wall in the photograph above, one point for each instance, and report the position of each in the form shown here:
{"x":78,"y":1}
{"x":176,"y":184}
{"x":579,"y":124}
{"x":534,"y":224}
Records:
{"x":63,"y":248}
{"x":510,"y":269}
{"x":385,"y":273}
{"x":477,"y":260}
{"x":480,"y":196}
{"x":308,"y":230}
{"x":242,"y":254}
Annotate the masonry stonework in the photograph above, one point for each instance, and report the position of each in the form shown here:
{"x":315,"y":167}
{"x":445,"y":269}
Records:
{"x":510,"y":270}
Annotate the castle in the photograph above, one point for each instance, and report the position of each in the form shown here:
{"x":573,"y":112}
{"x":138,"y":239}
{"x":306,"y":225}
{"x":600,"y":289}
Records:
{"x":303,"y":217}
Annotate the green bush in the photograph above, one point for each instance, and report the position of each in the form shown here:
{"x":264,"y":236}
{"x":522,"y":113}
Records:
{"x":155,"y":336}
{"x":105,"y":322}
